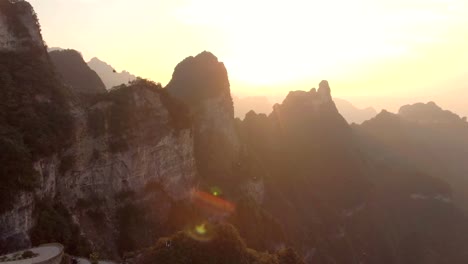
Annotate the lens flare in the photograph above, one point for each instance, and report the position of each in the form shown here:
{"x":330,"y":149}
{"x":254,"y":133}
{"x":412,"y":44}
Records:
{"x":216,"y":191}
{"x":200,"y":229}
{"x":212,"y":204}
{"x":202,"y":232}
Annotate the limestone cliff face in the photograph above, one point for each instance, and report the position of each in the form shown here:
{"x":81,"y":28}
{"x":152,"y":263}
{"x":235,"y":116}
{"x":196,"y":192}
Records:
{"x":15,"y":224}
{"x":127,"y":141}
{"x":108,"y":159}
{"x":34,"y":113}
{"x":202,"y":83}
{"x":75,"y":152}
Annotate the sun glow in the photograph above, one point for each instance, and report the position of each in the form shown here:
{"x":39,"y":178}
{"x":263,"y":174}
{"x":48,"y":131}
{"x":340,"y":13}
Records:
{"x":272,"y":46}
{"x":280,"y":43}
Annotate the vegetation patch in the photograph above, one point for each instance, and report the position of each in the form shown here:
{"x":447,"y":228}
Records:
{"x":12,"y":9}
{"x":66,"y":163}
{"x":19,"y":256}
{"x":125,"y":118}
{"x":219,"y":243}
{"x":124,"y":195}
{"x":96,"y":122}
{"x":55,"y":224}
{"x":16,"y":173}
{"x":131,"y":223}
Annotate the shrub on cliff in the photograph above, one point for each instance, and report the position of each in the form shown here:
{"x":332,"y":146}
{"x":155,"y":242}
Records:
{"x":16,"y":172}
{"x":220,"y":243}
{"x":34,"y":119}
{"x":55,"y":224}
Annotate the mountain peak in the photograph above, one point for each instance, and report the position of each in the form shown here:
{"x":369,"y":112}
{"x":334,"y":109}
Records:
{"x":207,"y":56}
{"x":198,"y":78}
{"x":324,"y":90}
{"x":19,"y":26}
{"x":313,"y":97}
{"x":427,"y":113}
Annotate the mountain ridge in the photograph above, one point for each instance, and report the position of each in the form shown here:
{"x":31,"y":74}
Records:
{"x":141,"y":162}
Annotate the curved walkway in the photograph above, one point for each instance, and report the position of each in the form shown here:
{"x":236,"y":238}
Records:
{"x":46,"y":254}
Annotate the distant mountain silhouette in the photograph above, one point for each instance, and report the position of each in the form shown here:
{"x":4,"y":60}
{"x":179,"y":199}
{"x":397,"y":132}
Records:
{"x":76,"y":73}
{"x":429,"y":138}
{"x":261,"y":105}
{"x":258,"y":104}
{"x":429,"y":113}
{"x":353,"y":114}
{"x":108,"y":75}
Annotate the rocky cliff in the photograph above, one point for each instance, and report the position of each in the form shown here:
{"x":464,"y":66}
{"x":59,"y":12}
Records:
{"x":86,"y":158}
{"x":34,"y":118}
{"x":202,"y":83}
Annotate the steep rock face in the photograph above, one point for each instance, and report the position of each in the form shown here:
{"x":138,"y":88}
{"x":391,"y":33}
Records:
{"x":202,"y":83}
{"x":76,"y":73}
{"x":108,"y":75}
{"x":34,"y":118}
{"x":15,"y":224}
{"x":131,"y":138}
{"x":127,"y":140}
{"x":84,"y":160}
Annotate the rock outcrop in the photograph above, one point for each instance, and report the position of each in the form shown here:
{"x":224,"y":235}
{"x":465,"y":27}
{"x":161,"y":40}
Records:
{"x":202,"y":83}
{"x":134,"y":137}
{"x":85,"y":157}
{"x":16,"y":223}
{"x":76,"y":73}
{"x":34,"y":118}
{"x":19,"y":27}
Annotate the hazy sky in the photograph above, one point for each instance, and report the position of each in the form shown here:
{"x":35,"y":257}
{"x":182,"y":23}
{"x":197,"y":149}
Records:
{"x":395,"y":48}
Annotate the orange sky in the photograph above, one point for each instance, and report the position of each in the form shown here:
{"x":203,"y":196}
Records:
{"x":365,"y":48}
